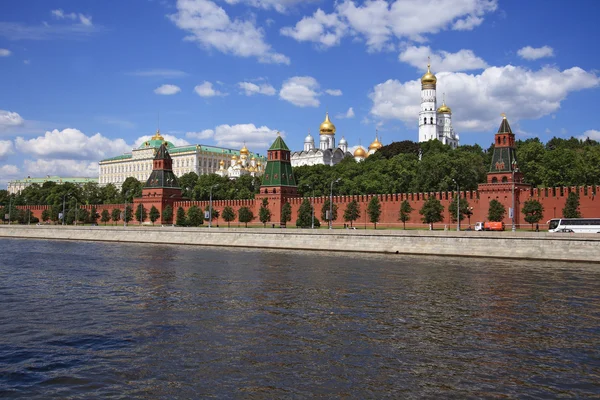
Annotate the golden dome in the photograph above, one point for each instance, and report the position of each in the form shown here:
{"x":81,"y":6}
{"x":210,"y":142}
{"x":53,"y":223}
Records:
{"x":376,"y":145}
{"x":428,"y":78}
{"x":259,"y":163}
{"x":157,"y":136}
{"x":327,"y":128}
{"x":444,"y":109}
{"x":239,"y":162}
{"x":234,"y":157}
{"x":244,"y":150}
{"x":221,"y":162}
{"x":360,"y":152}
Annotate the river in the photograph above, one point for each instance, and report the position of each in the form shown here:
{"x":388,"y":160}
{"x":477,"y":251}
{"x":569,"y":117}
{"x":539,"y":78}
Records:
{"x":81,"y":320}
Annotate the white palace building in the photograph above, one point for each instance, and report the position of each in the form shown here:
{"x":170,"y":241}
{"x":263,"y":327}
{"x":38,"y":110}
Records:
{"x":198,"y":158}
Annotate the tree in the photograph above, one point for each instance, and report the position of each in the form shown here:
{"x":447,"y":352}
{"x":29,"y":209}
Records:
{"x":432,"y":211}
{"x":534,"y":211}
{"x":214,"y":214}
{"x":140,"y":213}
{"x":374,"y":210}
{"x":405,"y":210}
{"x":452,"y":208}
{"x":286,"y":213}
{"x":46,"y":215}
{"x":228,"y":215}
{"x":245,"y":215}
{"x":105,"y":216}
{"x":83,"y":215}
{"x":116,"y":215}
{"x":264,"y":214}
{"x":571,"y":209}
{"x":325,"y":211}
{"x":496,"y":212}
{"x":194,"y":216}
{"x":180,"y":219}
{"x":94,"y":215}
{"x":154,"y":214}
{"x":304,"y":215}
{"x":167,"y":214}
{"x":131,"y":188}
{"x":352,"y":212}
{"x":128,"y":214}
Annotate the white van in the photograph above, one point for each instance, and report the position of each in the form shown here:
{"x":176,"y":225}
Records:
{"x":478,"y":226}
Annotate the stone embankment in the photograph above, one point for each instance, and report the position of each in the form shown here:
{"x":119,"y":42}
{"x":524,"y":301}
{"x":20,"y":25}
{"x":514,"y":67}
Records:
{"x":512,"y":245}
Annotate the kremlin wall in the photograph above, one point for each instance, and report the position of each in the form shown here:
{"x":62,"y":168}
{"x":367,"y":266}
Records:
{"x":279,"y":187}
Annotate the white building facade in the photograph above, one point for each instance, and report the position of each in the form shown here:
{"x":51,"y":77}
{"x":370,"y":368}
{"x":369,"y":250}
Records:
{"x":434,"y":123}
{"x":198,"y":158}
{"x":245,"y":164}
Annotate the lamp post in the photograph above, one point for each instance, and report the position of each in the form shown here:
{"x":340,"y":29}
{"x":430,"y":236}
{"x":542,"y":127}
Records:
{"x":331,"y":203}
{"x":514,"y":169}
{"x":76,"y":212}
{"x":210,"y":206}
{"x":469,"y":213}
{"x":312,"y":204}
{"x":9,"y":207}
{"x":63,"y":213}
{"x":457,"y":205}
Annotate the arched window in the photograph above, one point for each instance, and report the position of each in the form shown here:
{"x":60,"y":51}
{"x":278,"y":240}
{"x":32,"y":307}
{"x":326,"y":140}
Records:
{"x":274,"y":191}
{"x":504,"y":179}
{"x":504,"y":140}
{"x":431,"y":120}
{"x":425,"y":121}
{"x":498,"y":140}
{"x":494,"y":180}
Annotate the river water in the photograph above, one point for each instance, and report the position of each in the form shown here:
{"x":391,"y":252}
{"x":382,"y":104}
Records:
{"x":85,"y":320}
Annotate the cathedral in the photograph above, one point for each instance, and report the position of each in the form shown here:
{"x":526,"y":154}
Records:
{"x":244,"y":165}
{"x":434,"y":123}
{"x":327,"y":153}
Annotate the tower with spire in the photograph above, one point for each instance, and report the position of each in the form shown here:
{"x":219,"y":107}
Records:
{"x":434,"y":123}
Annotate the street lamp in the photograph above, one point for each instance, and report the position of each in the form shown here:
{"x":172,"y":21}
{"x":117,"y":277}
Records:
{"x":312,"y":204}
{"x":9,"y":207}
{"x":63,"y":213}
{"x":331,"y":202}
{"x":457,"y":205}
{"x":210,"y":206}
{"x":469,"y":213}
{"x":514,"y":169}
{"x":125,"y":211}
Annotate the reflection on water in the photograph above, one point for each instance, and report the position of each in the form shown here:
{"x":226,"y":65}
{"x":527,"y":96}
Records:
{"x":81,"y":320}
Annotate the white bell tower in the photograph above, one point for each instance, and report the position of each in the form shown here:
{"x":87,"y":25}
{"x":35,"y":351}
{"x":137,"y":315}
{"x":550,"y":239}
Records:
{"x":428,"y":114}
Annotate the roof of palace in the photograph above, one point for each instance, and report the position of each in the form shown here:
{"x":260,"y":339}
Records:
{"x":56,"y":179}
{"x":185,"y":149}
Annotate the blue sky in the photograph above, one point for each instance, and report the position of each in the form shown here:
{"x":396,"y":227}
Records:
{"x":82,"y":81}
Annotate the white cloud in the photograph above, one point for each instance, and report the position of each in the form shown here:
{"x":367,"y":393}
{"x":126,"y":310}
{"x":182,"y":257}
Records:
{"x":324,"y":29}
{"x":531,"y":53}
{"x":593,"y":134}
{"x":10,"y":119}
{"x":206,"y":90}
{"x":5,"y":52}
{"x":463,"y":60}
{"x":348,"y":114}
{"x":202,"y":135}
{"x":301,"y":91}
{"x":6,"y":148}
{"x":26,"y":62}
{"x":83,"y":19}
{"x":169,"y":138}
{"x":333,"y":92}
{"x":68,"y":26}
{"x":162,"y":73}
{"x":167,"y":90}
{"x":74,"y":168}
{"x":210,"y":27}
{"x":234,"y":136}
{"x":279,"y":5}
{"x":378,"y":22}
{"x":71,"y":144}
{"x":250,"y":88}
{"x":8,"y":169}
{"x":478,"y":100}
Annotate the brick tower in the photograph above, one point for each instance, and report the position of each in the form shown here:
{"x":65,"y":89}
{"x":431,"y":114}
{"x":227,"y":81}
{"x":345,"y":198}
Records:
{"x":504,"y":175}
{"x":278,"y":181}
{"x":161,"y":188}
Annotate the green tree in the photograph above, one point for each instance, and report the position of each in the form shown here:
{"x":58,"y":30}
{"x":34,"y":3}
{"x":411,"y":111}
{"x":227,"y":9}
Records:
{"x":83,"y":215}
{"x":128,"y":214}
{"x":571,"y":209}
{"x":264,"y":214}
{"x":405,"y":210}
{"x":374,"y":210}
{"x":304,"y":215}
{"x":110,"y":194}
{"x":46,"y":215}
{"x":131,"y":188}
{"x":245,"y":215}
{"x":496,"y":212}
{"x":116,"y":215}
{"x":432,"y":211}
{"x":352,"y":212}
{"x":452,"y":208}
{"x":180,"y":219}
{"x":286,"y":213}
{"x":94,"y":215}
{"x":167,"y":214}
{"x":534,"y":211}
{"x":195,"y":216}
{"x":325,"y":211}
{"x":228,"y":215}
{"x":187,"y":182}
{"x":154,"y":214}
{"x":214,"y":214}
{"x":105,"y":216}
{"x":141,"y":213}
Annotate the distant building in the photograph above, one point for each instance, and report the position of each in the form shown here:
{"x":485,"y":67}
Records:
{"x":244,"y":165}
{"x":197,"y":158}
{"x":16,"y":186}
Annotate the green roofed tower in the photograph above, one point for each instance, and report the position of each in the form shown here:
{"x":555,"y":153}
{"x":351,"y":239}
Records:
{"x":278,"y":172}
